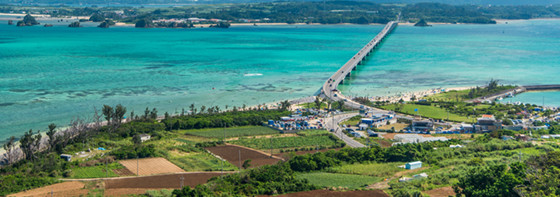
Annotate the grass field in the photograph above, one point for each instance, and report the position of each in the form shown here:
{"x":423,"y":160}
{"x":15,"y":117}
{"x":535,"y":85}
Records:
{"x":428,"y":111}
{"x":232,"y":132}
{"x":349,"y":181}
{"x":286,"y":142}
{"x":200,"y":162}
{"x":96,"y":171}
{"x":381,"y":170}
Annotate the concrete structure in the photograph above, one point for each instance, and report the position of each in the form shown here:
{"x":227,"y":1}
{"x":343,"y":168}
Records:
{"x":329,"y":88}
{"x":422,"y":125}
{"x":66,"y":157}
{"x":413,"y":165}
{"x":145,"y":137}
{"x":487,"y":124}
{"x":415,"y":138}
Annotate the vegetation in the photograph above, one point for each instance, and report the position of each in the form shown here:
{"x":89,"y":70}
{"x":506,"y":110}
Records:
{"x":347,"y":181}
{"x":316,"y":141}
{"x":28,"y":20}
{"x":96,"y":171}
{"x":232,"y":132}
{"x":266,"y":180}
{"x":74,"y":24}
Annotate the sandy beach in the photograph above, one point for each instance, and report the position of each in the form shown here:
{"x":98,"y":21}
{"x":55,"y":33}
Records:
{"x":406,"y":96}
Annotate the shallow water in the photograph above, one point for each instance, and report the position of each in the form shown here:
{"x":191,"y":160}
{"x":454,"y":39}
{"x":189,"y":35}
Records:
{"x":54,"y":74}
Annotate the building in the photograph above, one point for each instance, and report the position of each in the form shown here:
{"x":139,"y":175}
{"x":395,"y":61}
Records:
{"x":145,"y":137}
{"x":415,"y":138}
{"x":413,"y":165}
{"x":487,"y":124}
{"x":66,"y":157}
{"x":522,"y":137}
{"x":467,"y":128}
{"x":422,"y":125}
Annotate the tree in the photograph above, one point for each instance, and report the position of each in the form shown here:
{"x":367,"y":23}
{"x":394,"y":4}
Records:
{"x":246,"y":164}
{"x":29,"y":144}
{"x":285,"y":105}
{"x":9,"y":147}
{"x":51,"y":133}
{"x":153,"y":114}
{"x":108,"y":112}
{"x":318,"y":102}
{"x":340,"y":104}
{"x":137,"y":140}
{"x":192,"y":107}
{"x":496,"y":180}
{"x":120,"y":111}
{"x":146,"y":114}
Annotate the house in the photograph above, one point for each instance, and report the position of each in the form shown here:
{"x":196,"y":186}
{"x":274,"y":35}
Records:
{"x":487,"y":124}
{"x":363,"y":127}
{"x":66,"y":157}
{"x":413,"y":165}
{"x":522,"y":137}
{"x":422,"y":125}
{"x":145,"y":137}
{"x":467,"y":128}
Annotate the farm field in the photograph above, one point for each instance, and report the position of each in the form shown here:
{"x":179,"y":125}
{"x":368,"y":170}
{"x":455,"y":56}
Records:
{"x":150,"y":166}
{"x":168,"y":181}
{"x":323,"y":193}
{"x":231,"y":154}
{"x":199,"y":161}
{"x":348,"y":181}
{"x":323,"y":141}
{"x":382,"y":170}
{"x":59,"y":189}
{"x":99,"y":171}
{"x":232,"y":132}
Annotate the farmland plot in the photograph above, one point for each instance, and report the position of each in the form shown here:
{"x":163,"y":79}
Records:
{"x":149,"y":166}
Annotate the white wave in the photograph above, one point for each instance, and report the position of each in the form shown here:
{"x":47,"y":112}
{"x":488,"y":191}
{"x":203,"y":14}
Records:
{"x":252,"y":74}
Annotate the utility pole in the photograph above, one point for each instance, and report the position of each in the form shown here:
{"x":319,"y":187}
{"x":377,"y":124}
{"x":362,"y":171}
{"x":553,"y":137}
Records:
{"x":270,"y":147}
{"x":240,"y":165}
{"x":182,"y":181}
{"x":137,"y":167}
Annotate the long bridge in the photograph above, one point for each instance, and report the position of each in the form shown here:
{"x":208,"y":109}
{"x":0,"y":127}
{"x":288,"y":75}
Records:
{"x":330,"y":90}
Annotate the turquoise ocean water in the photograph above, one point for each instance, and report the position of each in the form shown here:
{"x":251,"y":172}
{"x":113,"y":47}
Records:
{"x":54,"y":74}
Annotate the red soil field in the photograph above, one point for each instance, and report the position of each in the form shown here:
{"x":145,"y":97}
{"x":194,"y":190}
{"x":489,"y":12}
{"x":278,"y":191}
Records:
{"x":231,"y":154}
{"x":168,"y":181}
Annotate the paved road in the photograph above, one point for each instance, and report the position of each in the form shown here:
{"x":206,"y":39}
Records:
{"x":338,"y":131}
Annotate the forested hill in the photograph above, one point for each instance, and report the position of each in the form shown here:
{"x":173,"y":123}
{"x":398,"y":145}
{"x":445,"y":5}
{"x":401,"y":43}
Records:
{"x":171,"y":2}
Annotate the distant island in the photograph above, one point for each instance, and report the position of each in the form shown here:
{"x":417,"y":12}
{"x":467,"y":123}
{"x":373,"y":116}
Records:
{"x":422,"y":23}
{"x":329,"y":12}
{"x":28,"y":20}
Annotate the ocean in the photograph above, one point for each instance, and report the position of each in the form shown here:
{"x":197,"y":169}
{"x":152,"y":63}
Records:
{"x":51,"y":75}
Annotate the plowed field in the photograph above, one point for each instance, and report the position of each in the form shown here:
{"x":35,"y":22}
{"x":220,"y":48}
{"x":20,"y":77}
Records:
{"x":232,"y":153}
{"x":168,"y":181}
{"x":149,"y":166}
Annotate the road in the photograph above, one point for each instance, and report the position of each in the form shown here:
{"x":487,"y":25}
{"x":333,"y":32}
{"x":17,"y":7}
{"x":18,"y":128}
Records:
{"x":338,"y":131}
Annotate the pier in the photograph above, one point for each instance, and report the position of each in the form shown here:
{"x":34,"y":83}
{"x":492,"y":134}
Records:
{"x":330,"y":90}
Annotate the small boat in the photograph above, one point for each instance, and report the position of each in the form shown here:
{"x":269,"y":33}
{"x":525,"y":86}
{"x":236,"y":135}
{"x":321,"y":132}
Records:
{"x":48,"y":25}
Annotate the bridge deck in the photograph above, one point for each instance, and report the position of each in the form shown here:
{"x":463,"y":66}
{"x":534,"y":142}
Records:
{"x":330,"y":86}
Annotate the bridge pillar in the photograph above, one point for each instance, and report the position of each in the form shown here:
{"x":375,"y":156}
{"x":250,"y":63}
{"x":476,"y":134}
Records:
{"x":354,"y":68}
